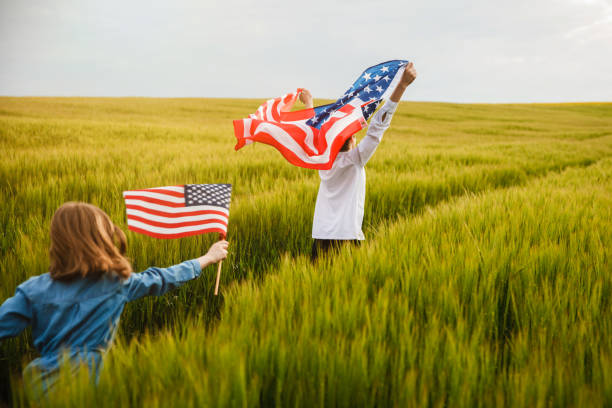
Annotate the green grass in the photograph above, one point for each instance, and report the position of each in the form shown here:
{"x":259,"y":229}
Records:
{"x":485,"y":279}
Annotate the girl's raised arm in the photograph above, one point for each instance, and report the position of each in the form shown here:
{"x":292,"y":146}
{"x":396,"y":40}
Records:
{"x":157,"y":281}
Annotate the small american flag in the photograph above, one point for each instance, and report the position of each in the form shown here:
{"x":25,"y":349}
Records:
{"x":312,"y":138}
{"x":179,"y":211}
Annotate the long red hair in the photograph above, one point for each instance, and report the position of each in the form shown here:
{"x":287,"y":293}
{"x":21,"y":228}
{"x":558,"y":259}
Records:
{"x":85,"y":242}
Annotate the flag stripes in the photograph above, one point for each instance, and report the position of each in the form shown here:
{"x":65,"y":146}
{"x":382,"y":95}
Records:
{"x":162,"y":212}
{"x":312,"y":138}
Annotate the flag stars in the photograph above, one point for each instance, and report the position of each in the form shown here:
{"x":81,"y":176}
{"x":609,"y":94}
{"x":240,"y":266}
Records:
{"x":378,"y":76}
{"x":208,"y":194}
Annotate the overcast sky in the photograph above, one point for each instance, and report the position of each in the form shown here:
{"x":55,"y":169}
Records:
{"x":464,"y":51}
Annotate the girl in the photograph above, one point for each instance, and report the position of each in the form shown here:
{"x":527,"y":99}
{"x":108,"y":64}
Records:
{"x":75,"y":307}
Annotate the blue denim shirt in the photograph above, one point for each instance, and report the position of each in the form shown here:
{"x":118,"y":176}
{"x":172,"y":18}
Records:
{"x":80,"y":317}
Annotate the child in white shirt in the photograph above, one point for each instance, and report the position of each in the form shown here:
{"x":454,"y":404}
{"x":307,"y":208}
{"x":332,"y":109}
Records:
{"x":340,"y":202}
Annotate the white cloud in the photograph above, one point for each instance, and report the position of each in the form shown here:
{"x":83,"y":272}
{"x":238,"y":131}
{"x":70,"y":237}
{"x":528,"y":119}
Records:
{"x":600,"y":29}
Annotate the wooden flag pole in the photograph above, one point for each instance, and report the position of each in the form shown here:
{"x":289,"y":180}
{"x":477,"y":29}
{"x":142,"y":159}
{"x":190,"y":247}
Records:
{"x":221,"y":236}
{"x":218,"y":277}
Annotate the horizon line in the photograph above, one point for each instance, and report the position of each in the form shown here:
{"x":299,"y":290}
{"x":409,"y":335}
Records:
{"x":331,"y":99}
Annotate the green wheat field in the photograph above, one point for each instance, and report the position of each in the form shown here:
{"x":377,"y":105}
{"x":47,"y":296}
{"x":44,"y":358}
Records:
{"x":485,"y":278}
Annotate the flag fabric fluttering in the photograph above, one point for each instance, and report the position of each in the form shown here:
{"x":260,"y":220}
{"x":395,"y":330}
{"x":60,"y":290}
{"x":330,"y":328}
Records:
{"x":312,"y":138}
{"x":179,"y":211}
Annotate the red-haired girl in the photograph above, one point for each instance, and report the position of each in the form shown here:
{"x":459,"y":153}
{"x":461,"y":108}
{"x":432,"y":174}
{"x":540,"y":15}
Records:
{"x":75,"y":307}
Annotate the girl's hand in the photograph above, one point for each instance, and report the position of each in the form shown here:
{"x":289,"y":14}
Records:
{"x":306,"y":98}
{"x":216,"y":253}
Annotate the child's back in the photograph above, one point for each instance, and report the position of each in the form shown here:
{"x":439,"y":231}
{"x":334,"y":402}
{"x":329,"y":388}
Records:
{"x":81,"y":315}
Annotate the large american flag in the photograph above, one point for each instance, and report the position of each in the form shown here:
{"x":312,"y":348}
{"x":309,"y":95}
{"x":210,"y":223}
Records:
{"x":312,"y":138}
{"x":179,"y":211}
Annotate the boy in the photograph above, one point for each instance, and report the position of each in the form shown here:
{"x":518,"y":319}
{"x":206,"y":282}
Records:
{"x":339,"y":209}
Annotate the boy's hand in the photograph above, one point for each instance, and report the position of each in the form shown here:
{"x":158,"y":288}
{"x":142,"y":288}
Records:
{"x":306,"y":98}
{"x":407,"y":78}
{"x":410,"y":75}
{"x":216,"y":253}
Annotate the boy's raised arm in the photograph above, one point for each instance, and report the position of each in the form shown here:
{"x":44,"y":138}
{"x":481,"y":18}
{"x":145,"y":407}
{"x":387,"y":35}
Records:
{"x":381,"y":120}
{"x":408,"y":77}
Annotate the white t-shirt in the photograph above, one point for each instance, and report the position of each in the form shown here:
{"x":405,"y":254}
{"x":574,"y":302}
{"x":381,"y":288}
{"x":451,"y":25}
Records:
{"x":340,"y":202}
